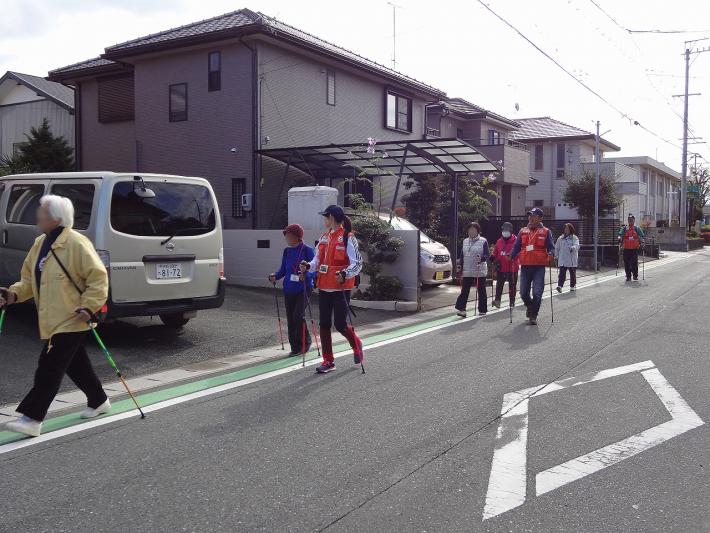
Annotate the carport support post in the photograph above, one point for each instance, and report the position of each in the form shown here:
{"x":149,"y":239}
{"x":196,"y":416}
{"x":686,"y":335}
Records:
{"x":399,"y":180}
{"x":455,"y":214}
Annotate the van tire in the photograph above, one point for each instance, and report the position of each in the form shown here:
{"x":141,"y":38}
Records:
{"x":174,"y":320}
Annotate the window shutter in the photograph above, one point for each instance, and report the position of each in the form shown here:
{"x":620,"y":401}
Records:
{"x":116,"y":98}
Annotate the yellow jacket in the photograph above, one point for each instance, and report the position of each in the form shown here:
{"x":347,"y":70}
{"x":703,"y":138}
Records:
{"x":56,"y":297}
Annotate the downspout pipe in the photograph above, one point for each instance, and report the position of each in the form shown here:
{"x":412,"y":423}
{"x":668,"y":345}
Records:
{"x":256,"y":120}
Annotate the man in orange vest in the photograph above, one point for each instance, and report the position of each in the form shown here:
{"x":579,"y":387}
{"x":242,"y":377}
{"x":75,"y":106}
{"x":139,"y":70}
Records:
{"x":630,"y":239}
{"x":534,"y":249}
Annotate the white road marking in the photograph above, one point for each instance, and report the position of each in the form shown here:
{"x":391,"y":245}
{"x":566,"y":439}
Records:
{"x":507,"y":486}
{"x":6,"y":448}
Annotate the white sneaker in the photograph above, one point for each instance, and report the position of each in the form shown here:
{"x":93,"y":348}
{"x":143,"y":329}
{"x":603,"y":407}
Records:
{"x":93,"y":413}
{"x":573,"y":288}
{"x":25,"y":425}
{"x":462,"y":314}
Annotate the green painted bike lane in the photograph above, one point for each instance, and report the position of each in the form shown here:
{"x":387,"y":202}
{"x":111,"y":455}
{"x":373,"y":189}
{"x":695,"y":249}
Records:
{"x":149,"y":398}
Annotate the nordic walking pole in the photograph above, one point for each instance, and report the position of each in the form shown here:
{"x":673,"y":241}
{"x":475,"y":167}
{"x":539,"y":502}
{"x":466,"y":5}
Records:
{"x":552,"y":307}
{"x":2,"y":318}
{"x":304,"y":327}
{"x":313,"y":324}
{"x":278,"y":314}
{"x":113,"y":365}
{"x":352,"y":326}
{"x":643,"y":265}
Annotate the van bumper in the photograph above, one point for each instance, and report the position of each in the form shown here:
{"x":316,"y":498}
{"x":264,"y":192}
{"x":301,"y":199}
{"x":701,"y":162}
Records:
{"x":167,"y":307}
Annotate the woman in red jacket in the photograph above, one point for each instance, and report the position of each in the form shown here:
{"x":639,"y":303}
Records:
{"x":337,"y":262}
{"x":507,"y":267}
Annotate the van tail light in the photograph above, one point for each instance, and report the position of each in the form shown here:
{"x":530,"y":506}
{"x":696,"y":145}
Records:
{"x":221,"y":262}
{"x":105,"y":258}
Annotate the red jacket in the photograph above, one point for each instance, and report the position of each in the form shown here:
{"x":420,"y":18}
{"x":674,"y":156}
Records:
{"x":502,"y":253}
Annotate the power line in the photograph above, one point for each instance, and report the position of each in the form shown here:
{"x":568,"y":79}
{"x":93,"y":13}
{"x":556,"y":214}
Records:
{"x":575,"y":78}
{"x":624,"y":28}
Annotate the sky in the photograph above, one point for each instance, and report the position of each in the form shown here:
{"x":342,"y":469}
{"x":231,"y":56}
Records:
{"x":458,"y":46}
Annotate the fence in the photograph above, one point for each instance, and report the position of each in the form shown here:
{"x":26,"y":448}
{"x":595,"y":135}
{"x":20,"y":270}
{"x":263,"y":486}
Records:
{"x":608,"y":228}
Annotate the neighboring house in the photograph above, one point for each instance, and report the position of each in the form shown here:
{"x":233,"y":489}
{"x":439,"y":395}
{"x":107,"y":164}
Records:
{"x":180,"y":100}
{"x":556,"y":151}
{"x":25,"y":101}
{"x":491,"y":134}
{"x":653,"y":193}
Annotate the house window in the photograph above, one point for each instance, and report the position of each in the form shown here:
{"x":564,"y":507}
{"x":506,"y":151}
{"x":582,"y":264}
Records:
{"x":214,"y":71}
{"x":16,"y":147}
{"x":538,"y":203}
{"x":399,"y":112}
{"x":459,"y":133}
{"x":644,"y":176}
{"x":238,"y":189}
{"x":330,"y":87}
{"x":538,"y":157}
{"x":178,"y":102}
{"x":493,"y":137}
{"x":116,"y":98}
{"x":560,"y":173}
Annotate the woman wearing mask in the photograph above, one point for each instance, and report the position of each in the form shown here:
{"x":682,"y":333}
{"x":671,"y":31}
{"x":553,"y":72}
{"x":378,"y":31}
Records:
{"x":59,"y":258}
{"x":474,"y":269}
{"x":337,"y":262}
{"x":566,"y":252}
{"x":507,"y":267}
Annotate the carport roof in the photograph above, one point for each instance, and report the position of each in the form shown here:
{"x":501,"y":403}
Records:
{"x":390,"y":158}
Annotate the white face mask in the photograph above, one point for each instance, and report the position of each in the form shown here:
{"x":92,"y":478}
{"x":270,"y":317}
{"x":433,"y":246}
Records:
{"x":506,"y":234}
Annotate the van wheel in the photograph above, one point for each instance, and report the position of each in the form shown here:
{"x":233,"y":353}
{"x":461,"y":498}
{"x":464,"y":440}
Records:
{"x":175,"y":320}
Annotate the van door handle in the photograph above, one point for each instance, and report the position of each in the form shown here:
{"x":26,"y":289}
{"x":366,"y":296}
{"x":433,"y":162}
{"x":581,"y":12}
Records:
{"x":4,"y":237}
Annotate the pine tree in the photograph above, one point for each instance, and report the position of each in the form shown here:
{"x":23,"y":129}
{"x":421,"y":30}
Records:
{"x":44,"y":152}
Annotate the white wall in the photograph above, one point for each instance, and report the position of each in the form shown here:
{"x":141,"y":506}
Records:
{"x":246,"y":264}
{"x":19,"y":94}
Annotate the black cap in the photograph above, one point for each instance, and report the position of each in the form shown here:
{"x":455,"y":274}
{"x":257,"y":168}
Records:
{"x":631,"y":215}
{"x":507,"y":225}
{"x":333,"y":210}
{"x":537,"y":212}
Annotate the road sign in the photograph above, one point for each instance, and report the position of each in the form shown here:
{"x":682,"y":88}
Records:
{"x":693,"y":190}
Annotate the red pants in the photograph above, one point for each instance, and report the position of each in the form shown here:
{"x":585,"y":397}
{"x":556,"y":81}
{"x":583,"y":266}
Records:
{"x":333,"y":307}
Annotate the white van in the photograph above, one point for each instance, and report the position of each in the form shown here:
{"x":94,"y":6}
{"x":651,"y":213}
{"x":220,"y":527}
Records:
{"x":159,"y":236}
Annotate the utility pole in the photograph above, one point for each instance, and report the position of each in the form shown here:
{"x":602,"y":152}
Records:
{"x":394,"y":34}
{"x":596,"y":197}
{"x":684,"y":171}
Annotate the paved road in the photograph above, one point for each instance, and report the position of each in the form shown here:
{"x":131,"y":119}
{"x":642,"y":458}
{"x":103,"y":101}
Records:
{"x":410,"y":445}
{"x":140,"y":346}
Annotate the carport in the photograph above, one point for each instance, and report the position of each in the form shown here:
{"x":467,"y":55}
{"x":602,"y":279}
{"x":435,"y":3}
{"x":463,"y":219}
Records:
{"x":397,"y":159}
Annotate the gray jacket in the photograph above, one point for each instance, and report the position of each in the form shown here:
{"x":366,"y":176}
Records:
{"x":567,"y":250}
{"x":475,"y":254}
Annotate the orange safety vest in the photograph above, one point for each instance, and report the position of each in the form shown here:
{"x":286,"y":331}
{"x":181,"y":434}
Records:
{"x":538,"y":239}
{"x":333,"y":254}
{"x":631,"y":239}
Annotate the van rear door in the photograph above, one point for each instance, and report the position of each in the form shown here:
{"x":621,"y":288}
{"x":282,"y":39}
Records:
{"x":166,"y":246}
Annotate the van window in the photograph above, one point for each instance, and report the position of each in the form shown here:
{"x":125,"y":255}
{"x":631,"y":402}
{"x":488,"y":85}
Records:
{"x":82,"y":196}
{"x":23,"y":203}
{"x":177,"y":209}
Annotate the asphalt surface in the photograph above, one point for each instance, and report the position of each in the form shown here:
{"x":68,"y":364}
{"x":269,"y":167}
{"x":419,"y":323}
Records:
{"x":409,"y":445}
{"x":246,"y":321}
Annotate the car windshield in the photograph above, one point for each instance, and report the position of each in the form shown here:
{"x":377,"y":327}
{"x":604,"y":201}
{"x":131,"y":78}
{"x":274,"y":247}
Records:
{"x":403,"y":224}
{"x":177,"y":209}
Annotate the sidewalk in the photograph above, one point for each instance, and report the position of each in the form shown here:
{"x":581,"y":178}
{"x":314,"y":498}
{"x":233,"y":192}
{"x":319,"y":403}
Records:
{"x":75,"y":400}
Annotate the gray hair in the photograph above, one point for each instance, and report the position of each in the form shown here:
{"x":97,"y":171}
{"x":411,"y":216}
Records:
{"x":60,"y":209}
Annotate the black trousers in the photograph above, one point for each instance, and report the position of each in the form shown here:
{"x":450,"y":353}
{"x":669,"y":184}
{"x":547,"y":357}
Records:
{"x":296,"y":320}
{"x":631,"y":263}
{"x":67,"y":356}
{"x":466,"y":284}
{"x":512,"y":279}
{"x":333,"y":309}
{"x":563,"y":276}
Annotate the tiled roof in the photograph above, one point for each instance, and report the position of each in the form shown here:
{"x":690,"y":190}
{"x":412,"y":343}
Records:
{"x":82,"y":65}
{"x":544,"y":127}
{"x":220,"y":26}
{"x":57,"y":92}
{"x":464,"y":107}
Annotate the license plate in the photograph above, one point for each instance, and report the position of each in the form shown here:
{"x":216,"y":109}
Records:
{"x":438,"y":276}
{"x":168,"y":270}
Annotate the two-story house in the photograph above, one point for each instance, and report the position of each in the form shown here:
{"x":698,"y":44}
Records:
{"x":25,"y":101}
{"x":556,"y":151}
{"x":490,"y":133}
{"x":205,"y":98}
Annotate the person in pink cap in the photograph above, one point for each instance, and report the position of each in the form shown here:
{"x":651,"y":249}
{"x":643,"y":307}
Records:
{"x":296,"y":251}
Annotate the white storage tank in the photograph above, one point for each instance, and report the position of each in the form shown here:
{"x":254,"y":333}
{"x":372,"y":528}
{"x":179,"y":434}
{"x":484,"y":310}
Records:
{"x":304,"y":204}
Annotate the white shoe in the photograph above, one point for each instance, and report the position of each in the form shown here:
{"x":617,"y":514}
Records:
{"x":573,"y":288}
{"x":462,"y":314}
{"x":93,"y":413}
{"x":25,"y":425}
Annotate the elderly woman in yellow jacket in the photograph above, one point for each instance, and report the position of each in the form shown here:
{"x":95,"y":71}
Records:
{"x":63,"y":312}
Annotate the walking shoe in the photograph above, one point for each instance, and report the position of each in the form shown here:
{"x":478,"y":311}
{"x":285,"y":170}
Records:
{"x":636,"y":278}
{"x":533,"y":320}
{"x":325,"y":367}
{"x":93,"y":413}
{"x":528,"y":313}
{"x":573,"y":288}
{"x":293,"y":353}
{"x":461,"y":313}
{"x":482,"y":313}
{"x":496,"y":304}
{"x":559,"y":289}
{"x":628,"y":279}
{"x":25,"y":425}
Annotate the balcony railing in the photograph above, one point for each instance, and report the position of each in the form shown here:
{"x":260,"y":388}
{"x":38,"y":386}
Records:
{"x":499,"y":141}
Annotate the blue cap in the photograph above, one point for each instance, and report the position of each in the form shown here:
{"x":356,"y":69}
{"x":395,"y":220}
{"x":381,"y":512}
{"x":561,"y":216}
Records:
{"x":333,"y":210}
{"x":537,"y":212}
